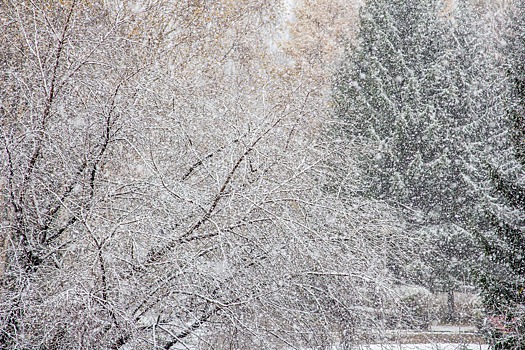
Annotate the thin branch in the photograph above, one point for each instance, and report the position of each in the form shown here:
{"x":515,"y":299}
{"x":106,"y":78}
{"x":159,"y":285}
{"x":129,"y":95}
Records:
{"x":193,"y":327}
{"x":154,"y":256}
{"x":50,"y":99}
{"x":202,"y":160}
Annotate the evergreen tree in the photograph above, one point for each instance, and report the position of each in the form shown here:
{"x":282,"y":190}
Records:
{"x":380,"y":91}
{"x":413,"y":94}
{"x":502,"y":230}
{"x":417,"y":93}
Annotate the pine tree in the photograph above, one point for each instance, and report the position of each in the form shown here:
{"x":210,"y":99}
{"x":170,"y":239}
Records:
{"x":412,"y":93}
{"x":502,"y":229}
{"x":417,"y":93}
{"x":380,"y":91}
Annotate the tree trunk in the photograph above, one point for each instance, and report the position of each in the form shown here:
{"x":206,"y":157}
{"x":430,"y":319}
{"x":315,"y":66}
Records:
{"x":451,"y":312}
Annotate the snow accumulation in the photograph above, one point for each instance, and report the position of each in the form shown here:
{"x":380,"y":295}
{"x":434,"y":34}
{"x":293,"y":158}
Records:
{"x":428,"y":346}
{"x":438,"y":346}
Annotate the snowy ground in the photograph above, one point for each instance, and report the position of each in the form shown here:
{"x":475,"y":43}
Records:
{"x":453,"y":329}
{"x":428,"y":346}
{"x":442,"y":346}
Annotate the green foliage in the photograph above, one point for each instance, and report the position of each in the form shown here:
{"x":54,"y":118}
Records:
{"x":379,"y":91}
{"x":418,"y":94}
{"x":413,"y":93}
{"x":502,"y":228}
{"x":503,"y":279}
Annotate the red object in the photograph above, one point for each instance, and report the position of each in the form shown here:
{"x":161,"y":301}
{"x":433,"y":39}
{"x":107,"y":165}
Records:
{"x":501,"y":324}
{"x":498,"y":323}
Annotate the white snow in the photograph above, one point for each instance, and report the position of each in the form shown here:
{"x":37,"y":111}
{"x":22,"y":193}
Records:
{"x":437,"y":346}
{"x":453,"y":329}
